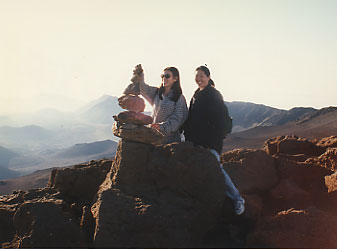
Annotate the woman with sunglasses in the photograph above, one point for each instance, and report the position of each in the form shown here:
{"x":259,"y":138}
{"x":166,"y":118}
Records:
{"x":169,"y":104}
{"x":205,"y":126}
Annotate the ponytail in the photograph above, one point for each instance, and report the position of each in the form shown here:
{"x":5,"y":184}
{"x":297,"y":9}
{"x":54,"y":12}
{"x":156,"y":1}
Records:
{"x":211,"y":82}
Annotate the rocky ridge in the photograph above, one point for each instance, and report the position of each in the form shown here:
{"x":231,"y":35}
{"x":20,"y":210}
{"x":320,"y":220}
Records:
{"x":173,"y":196}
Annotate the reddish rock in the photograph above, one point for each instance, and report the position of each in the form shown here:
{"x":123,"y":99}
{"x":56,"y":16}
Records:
{"x":287,"y":194}
{"x":331,"y":182}
{"x":137,"y":133}
{"x":328,"y":142}
{"x":7,"y":230}
{"x":309,"y":228}
{"x":87,"y":224}
{"x":132,"y":103}
{"x":253,"y":206}
{"x":296,"y":158}
{"x":251,"y":171}
{"x":292,"y":145}
{"x":308,"y":177}
{"x":327,"y":160}
{"x":173,"y":198}
{"x":80,"y":183}
{"x":133,"y":118}
{"x":44,"y":223}
{"x":132,"y":89}
{"x":330,"y":203}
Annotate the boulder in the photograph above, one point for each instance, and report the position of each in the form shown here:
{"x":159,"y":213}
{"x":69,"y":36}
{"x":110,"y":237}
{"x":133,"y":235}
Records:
{"x":328,"y":142}
{"x":133,"y":118}
{"x":44,"y":223}
{"x":308,"y":228}
{"x":327,"y":160}
{"x":331,"y":182}
{"x":252,"y":171}
{"x":306,"y":176}
{"x":167,"y":196}
{"x":7,"y":230}
{"x":287,"y":194}
{"x":292,"y":145}
{"x":132,"y":89}
{"x":253,"y":206}
{"x":137,"y":133}
{"x":132,"y":103}
{"x":80,"y":183}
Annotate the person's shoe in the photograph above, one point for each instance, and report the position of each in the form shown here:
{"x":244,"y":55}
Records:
{"x":239,"y":206}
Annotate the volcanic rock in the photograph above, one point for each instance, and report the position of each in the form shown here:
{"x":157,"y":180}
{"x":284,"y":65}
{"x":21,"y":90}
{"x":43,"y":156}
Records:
{"x":250,"y":170}
{"x":288,"y":194}
{"x":174,"y":196}
{"x":80,"y":183}
{"x":132,"y":89}
{"x":168,"y":196}
{"x":327,"y":160}
{"x":292,"y":145}
{"x":137,"y":133}
{"x":328,"y":142}
{"x":132,"y":103}
{"x":133,"y":118}
{"x":302,"y":180}
{"x":308,"y":228}
{"x":331,"y":182}
{"x":43,"y":223}
{"x":7,"y":230}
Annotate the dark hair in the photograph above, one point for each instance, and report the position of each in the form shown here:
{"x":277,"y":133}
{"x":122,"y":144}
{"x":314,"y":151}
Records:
{"x":176,"y":88}
{"x":207,"y":72}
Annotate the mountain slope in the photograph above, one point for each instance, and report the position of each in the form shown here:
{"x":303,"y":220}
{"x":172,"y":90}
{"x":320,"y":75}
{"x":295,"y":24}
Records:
{"x":248,"y":115}
{"x":5,"y":156}
{"x":89,"y":149}
{"x":100,"y":111}
{"x":38,"y":179}
{"x":27,"y":135}
{"x":322,"y":123}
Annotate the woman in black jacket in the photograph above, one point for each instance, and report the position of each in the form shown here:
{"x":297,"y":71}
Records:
{"x":205,"y":125}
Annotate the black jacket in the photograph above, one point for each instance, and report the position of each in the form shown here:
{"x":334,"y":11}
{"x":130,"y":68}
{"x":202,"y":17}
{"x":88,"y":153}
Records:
{"x":205,"y":124}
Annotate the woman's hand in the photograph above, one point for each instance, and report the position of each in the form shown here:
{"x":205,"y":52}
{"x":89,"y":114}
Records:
{"x":155,"y":127}
{"x":138,"y":74}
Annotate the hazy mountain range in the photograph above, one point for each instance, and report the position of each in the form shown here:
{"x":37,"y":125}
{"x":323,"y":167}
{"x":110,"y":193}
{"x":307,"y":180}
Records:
{"x":51,"y":138}
{"x":314,"y":125}
{"x":248,"y":115}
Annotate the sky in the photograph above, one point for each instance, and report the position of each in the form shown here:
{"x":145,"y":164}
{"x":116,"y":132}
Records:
{"x":64,"y":53}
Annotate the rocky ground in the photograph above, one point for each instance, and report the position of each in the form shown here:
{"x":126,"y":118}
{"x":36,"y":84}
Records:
{"x":173,"y":196}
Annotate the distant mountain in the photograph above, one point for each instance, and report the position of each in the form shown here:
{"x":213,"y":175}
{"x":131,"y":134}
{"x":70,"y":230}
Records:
{"x":38,"y":179}
{"x":319,"y":124}
{"x":7,"y":173}
{"x":78,"y":153}
{"x":100,"y":111}
{"x":245,"y":115}
{"x":30,"y":136}
{"x":100,"y":148}
{"x":319,"y":113}
{"x":248,"y":115}
{"x":5,"y":156}
{"x":26,"y":132}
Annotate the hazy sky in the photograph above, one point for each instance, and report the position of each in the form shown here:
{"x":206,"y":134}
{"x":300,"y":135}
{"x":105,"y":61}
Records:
{"x":281,"y":53}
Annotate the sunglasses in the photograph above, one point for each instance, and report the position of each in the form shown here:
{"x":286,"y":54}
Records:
{"x":167,"y":76}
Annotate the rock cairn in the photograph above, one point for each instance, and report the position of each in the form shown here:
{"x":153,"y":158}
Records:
{"x":132,"y":124}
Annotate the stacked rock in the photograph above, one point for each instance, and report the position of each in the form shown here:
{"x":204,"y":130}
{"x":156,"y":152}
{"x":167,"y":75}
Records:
{"x":131,"y":124}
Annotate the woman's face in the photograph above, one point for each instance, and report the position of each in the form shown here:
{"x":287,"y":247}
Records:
{"x":168,"y":79}
{"x":201,"y":79}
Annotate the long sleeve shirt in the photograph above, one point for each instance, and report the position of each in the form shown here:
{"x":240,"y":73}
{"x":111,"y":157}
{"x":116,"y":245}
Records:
{"x":168,"y":114}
